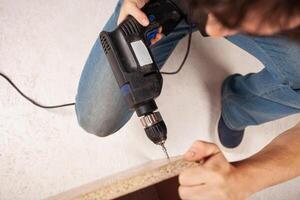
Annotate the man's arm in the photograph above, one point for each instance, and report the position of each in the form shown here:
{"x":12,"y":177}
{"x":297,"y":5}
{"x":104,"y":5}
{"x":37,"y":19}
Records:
{"x":216,"y":178}
{"x":276,"y":163}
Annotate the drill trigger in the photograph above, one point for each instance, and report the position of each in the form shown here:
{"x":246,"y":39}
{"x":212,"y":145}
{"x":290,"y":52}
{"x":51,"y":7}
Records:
{"x":152,"y":34}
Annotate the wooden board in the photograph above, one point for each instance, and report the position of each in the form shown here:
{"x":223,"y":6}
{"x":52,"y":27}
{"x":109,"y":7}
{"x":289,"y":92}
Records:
{"x":128,"y":181}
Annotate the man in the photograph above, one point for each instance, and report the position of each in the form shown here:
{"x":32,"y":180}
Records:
{"x":253,"y":99}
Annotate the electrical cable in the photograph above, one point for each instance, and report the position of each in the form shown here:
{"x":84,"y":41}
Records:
{"x":30,"y":99}
{"x":186,"y":54}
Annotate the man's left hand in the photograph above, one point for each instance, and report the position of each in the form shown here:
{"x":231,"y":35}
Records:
{"x":214,"y":179}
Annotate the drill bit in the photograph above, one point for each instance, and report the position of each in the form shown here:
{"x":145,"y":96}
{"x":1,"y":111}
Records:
{"x":165,"y":150}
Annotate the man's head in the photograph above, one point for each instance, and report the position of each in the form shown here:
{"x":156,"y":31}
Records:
{"x":259,"y":17}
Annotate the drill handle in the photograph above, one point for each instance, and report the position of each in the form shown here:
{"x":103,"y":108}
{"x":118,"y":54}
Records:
{"x":161,"y":13}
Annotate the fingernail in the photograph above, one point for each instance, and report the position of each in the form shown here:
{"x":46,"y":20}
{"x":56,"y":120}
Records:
{"x":145,"y":22}
{"x":190,"y":154}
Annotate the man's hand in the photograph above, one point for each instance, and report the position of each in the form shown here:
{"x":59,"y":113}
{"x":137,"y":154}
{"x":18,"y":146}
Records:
{"x":133,"y":8}
{"x":214,"y":179}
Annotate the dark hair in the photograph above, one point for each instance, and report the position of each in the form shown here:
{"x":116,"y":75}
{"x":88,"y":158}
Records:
{"x":232,"y":13}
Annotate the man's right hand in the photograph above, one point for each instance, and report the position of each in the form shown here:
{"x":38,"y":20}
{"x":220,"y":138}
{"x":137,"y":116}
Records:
{"x":133,"y":8}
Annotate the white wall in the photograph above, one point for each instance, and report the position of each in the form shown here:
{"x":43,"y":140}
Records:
{"x":43,"y":46}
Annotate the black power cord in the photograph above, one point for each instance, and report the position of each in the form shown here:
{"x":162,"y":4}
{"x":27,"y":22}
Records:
{"x":31,"y":100}
{"x":186,"y":54}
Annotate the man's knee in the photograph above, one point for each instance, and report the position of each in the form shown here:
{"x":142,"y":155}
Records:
{"x":93,"y":123}
{"x":100,"y":122}
{"x":89,"y":124}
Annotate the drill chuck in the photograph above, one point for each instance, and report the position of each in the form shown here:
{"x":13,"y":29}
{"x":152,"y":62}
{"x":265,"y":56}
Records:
{"x":155,"y":127}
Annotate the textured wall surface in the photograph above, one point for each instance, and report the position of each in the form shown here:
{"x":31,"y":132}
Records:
{"x":43,"y":46}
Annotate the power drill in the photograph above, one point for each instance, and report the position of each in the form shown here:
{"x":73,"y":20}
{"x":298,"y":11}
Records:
{"x":140,"y":81}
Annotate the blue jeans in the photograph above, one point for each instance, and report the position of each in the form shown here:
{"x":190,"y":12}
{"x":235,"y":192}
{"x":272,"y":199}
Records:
{"x":246,"y":100}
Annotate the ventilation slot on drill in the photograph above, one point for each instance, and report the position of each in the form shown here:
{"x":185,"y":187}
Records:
{"x":130,"y":28}
{"x":105,"y":44}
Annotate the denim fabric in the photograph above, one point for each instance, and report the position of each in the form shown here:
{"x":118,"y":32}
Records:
{"x":270,"y":94}
{"x":246,"y":100}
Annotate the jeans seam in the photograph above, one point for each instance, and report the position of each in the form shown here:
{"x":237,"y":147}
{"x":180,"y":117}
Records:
{"x":225,"y":99}
{"x":227,"y":121}
{"x":264,"y":94}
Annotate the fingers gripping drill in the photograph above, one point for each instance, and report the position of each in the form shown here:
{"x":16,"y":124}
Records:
{"x":140,"y":81}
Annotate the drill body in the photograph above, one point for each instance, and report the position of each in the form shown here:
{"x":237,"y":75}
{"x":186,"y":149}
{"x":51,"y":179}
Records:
{"x":127,"y":49}
{"x":137,"y":74}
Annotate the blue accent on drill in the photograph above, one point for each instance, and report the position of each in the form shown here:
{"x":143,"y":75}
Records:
{"x":154,"y":32}
{"x":152,"y":35}
{"x":125,"y":89}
